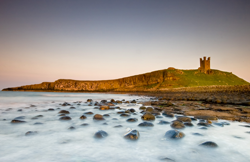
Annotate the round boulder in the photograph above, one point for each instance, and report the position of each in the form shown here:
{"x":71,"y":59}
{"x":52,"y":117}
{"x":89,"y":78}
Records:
{"x":132,"y":135}
{"x":98,"y":117}
{"x":63,"y":112}
{"x":209,"y":144}
{"x":83,"y":117}
{"x":177,"y":125}
{"x":65,"y":118}
{"x":104,"y":107}
{"x":174,"y":134}
{"x":101,"y":134}
{"x":148,"y":116}
{"x":146,"y":124}
{"x":132,"y":120}
{"x":184,"y":119}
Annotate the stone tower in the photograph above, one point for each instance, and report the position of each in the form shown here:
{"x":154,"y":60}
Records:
{"x":205,"y":65}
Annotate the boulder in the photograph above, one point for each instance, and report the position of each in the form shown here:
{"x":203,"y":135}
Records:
{"x":132,"y":110}
{"x":184,"y":119}
{"x":148,"y":116}
{"x":149,"y":109}
{"x":168,"y":114}
{"x":84,"y":124}
{"x":98,"y":117}
{"x":209,"y":144}
{"x":174,"y":134}
{"x":89,"y":100}
{"x":104,"y":107}
{"x":106,"y":115}
{"x":101,"y":134}
{"x":162,"y":122}
{"x":63,"y":112}
{"x":132,"y":135}
{"x":17,"y":121}
{"x":72,"y":128}
{"x":142,"y":108}
{"x":72,"y":107}
{"x":83,"y":117}
{"x":50,"y":109}
{"x":132,"y":120}
{"x":188,"y":124}
{"x":89,"y":113}
{"x":30,"y":133}
{"x":177,"y":125}
{"x":118,"y":126}
{"x":146,"y":124}
{"x":65,"y":118}
{"x":133,"y":101}
{"x":124,"y":115}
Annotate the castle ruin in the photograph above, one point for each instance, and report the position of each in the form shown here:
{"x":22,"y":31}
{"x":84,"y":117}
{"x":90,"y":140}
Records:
{"x":205,"y":65}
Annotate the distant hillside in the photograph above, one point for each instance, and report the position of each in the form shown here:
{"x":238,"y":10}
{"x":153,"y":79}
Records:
{"x":153,"y":81}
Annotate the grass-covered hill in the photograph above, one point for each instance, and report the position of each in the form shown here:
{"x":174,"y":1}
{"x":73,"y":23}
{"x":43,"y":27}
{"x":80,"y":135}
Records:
{"x":153,"y":81}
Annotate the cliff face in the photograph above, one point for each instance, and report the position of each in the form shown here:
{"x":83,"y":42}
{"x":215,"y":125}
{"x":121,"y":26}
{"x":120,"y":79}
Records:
{"x":157,"y":80}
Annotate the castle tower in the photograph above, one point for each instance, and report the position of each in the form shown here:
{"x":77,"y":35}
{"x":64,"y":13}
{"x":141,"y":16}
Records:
{"x":204,"y":65}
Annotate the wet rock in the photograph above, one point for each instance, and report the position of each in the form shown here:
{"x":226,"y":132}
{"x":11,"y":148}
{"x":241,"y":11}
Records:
{"x":159,"y":116}
{"x":50,"y":109}
{"x":72,"y":128}
{"x":119,"y":102}
{"x":247,"y":126}
{"x":118,"y":126}
{"x":132,"y":135}
{"x":193,"y":119}
{"x":188,"y":124}
{"x":219,"y":124}
{"x":133,"y":101}
{"x":19,"y":110}
{"x":112,"y":100}
{"x":101,"y":134}
{"x":38,"y":123}
{"x":114,"y":119}
{"x":89,"y":113}
{"x":248,"y":132}
{"x":203,"y":128}
{"x":174,"y":134}
{"x":98,"y":117}
{"x":105,"y":123}
{"x":84,"y":124}
{"x":142,"y":108}
{"x":89,"y":100}
{"x":17,"y":121}
{"x":30,"y":133}
{"x":148,"y":116}
{"x":167,"y":159}
{"x":204,"y":124}
{"x":132,"y":120}
{"x":120,"y":112}
{"x":124,"y":115}
{"x":72,"y":108}
{"x":63,"y":112}
{"x":168,"y":114}
{"x":197,"y":134}
{"x":146,"y":124}
{"x":65,"y":118}
{"x":128,"y":111}
{"x":149,"y":109}
{"x":104,"y":107}
{"x":177,"y":125}
{"x":62,"y":115}
{"x":209,"y":144}
{"x":184,"y":119}
{"x":83,"y":117}
{"x":163,"y":122}
{"x":132,"y":110}
{"x":65,"y":104}
{"x":106,"y":115}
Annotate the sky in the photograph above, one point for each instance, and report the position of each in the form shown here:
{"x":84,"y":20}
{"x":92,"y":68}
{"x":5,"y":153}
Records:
{"x":98,"y":40}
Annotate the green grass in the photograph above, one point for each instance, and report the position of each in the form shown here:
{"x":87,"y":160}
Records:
{"x":193,"y":78}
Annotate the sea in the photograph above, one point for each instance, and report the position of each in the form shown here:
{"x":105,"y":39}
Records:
{"x":54,"y":141}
